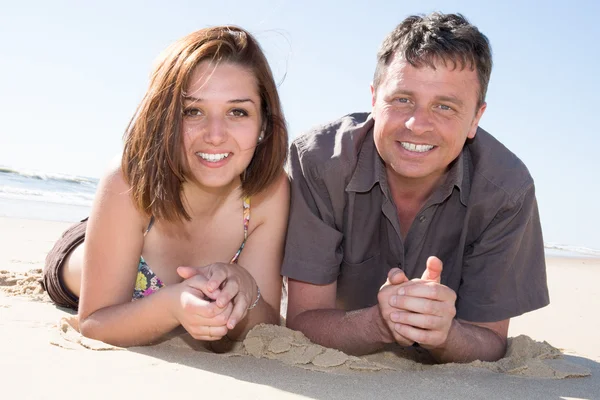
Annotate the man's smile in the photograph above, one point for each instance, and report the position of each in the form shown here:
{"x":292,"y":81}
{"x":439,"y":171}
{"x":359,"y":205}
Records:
{"x":416,"y":148}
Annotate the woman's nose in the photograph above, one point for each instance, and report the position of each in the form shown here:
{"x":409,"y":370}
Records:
{"x":215,"y":131}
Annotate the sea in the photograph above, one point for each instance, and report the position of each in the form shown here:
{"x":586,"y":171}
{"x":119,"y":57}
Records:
{"x":48,"y":196}
{"x":61,"y":197}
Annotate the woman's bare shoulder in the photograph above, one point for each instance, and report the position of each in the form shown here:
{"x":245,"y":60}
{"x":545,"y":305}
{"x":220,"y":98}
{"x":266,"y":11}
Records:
{"x":114,"y":196}
{"x":273,"y":201}
{"x":113,"y":175}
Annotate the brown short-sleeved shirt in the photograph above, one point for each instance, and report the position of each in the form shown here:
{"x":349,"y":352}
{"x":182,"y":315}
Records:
{"x":482,"y":222}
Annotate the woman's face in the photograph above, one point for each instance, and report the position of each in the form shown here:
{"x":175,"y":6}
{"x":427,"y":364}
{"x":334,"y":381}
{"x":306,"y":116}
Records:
{"x":221,"y":123}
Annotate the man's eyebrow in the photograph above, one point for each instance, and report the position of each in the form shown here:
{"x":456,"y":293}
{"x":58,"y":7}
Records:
{"x":451,"y":99}
{"x":405,"y":92}
{"x":236,"y":101}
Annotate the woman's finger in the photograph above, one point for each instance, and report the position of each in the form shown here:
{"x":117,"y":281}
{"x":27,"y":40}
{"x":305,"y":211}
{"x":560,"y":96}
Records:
{"x":216,"y":277}
{"x":199,"y":285}
{"x":240,"y":307}
{"x":228,"y":292}
{"x":209,"y":333}
{"x":187,"y":272}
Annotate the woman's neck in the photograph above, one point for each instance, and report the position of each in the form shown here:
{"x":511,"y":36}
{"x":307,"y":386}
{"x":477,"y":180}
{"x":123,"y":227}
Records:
{"x":202,"y":202}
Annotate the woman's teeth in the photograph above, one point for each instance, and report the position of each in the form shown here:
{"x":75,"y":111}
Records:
{"x":211,"y":157}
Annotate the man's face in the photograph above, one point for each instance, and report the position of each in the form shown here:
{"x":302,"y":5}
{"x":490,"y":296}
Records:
{"x":423,"y":117}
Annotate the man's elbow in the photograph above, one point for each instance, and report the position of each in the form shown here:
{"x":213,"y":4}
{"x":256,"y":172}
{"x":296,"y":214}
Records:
{"x":501,"y":347}
{"x":291,"y":321}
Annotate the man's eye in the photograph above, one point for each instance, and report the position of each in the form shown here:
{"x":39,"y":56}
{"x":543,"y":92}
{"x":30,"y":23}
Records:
{"x":402,"y":100}
{"x":238,"y":112}
{"x":445,"y":107}
{"x":192,"y":112}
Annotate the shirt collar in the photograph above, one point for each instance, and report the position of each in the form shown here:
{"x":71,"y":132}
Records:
{"x":458,"y":176}
{"x":369,"y":165}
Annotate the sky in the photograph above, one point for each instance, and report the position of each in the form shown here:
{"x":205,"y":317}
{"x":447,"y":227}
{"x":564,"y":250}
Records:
{"x":73,"y":72}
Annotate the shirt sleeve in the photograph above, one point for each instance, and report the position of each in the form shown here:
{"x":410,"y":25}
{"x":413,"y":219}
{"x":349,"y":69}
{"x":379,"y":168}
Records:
{"x":313,"y":245}
{"x":504,"y":271}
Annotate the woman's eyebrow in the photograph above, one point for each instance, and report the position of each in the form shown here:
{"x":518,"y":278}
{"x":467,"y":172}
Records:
{"x":199,"y":100}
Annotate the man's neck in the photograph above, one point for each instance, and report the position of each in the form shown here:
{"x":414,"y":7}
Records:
{"x":408,"y":190}
{"x":410,"y":195}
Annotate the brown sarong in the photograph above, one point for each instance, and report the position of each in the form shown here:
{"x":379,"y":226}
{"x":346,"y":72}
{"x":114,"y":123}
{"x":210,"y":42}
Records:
{"x":51,"y":281}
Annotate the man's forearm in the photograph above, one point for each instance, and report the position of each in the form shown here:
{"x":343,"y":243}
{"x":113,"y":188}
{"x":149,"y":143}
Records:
{"x":355,"y":332}
{"x":467,"y":342}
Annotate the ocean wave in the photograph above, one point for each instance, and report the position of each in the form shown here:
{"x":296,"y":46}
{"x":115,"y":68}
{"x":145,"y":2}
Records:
{"x":572,"y":249}
{"x":71,"y":198}
{"x":46,"y":176}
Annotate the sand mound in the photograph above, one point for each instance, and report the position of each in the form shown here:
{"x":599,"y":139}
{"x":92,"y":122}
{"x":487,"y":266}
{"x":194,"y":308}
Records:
{"x":527,"y":357}
{"x":23,"y":284}
{"x":524,"y":357}
{"x":293,"y":348}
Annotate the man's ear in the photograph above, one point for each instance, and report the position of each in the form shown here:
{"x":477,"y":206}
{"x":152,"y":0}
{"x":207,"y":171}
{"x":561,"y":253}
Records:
{"x":373,"y":93}
{"x":475,"y":123}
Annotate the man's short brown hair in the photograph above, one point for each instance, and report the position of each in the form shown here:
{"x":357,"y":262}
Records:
{"x":447,"y":38}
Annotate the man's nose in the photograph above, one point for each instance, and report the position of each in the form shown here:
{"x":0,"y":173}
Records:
{"x":420,"y":121}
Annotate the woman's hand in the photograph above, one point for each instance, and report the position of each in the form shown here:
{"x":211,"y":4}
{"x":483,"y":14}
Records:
{"x":229,"y":285}
{"x":196,"y":310}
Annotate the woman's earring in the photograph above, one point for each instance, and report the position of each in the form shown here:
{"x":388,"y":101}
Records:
{"x":261,"y":137}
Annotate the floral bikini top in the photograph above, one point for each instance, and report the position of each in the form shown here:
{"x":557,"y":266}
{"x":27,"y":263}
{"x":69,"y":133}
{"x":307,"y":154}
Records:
{"x":147,"y":282}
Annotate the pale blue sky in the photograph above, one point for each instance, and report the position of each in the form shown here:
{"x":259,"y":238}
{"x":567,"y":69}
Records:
{"x":72,"y":73}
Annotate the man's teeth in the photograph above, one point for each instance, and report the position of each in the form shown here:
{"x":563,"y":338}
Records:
{"x":418,"y":148}
{"x":212,"y":157}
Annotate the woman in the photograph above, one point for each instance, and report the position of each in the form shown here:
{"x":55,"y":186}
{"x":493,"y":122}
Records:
{"x":191,"y":224}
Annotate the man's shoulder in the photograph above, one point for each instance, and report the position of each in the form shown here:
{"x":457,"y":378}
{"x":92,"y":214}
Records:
{"x":494,"y":164}
{"x":336,"y":143}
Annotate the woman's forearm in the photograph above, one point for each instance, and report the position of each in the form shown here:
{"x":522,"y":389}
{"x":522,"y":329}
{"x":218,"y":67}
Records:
{"x":136,"y":323}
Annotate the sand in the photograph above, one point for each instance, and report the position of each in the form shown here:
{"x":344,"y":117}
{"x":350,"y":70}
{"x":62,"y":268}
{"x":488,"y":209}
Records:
{"x":552,"y":352}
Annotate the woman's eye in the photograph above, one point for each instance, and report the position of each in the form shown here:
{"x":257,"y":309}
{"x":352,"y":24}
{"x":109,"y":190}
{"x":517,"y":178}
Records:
{"x":192,"y":112}
{"x":238,"y":112}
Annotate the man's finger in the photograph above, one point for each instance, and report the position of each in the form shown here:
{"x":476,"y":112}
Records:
{"x":396,"y":276}
{"x":422,"y":321}
{"x":433,"y":270}
{"x":427,"y":290}
{"x":401,"y":340}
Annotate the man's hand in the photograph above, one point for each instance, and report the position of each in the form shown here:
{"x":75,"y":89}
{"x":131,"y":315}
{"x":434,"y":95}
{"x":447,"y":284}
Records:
{"x":424,"y":309}
{"x":388,"y":290}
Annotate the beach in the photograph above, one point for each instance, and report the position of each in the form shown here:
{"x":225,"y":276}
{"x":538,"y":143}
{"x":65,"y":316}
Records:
{"x":554,"y":352}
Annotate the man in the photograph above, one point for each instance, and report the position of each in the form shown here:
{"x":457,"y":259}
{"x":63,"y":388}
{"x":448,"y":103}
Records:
{"x":417,"y":198}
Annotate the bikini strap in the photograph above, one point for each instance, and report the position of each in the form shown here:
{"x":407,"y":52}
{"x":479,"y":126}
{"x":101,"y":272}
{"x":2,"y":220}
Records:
{"x":246,"y":216}
{"x":149,"y":225}
{"x":246,"y":223}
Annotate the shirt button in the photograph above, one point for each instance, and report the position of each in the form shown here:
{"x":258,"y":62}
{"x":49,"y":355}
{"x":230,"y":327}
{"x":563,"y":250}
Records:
{"x":422,"y":218}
